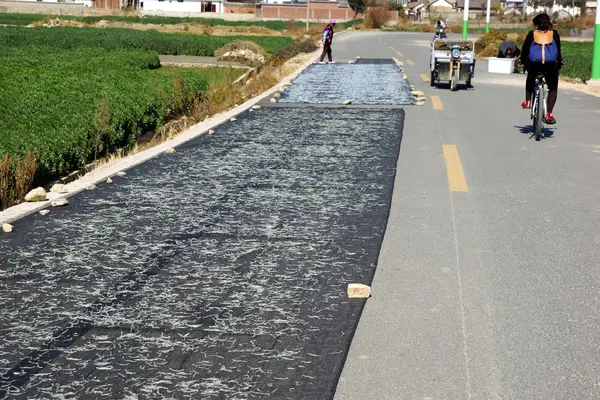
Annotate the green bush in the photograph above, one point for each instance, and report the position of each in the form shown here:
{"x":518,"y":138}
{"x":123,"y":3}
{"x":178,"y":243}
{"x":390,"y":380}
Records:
{"x":20,"y":19}
{"x":73,"y":106}
{"x":112,"y":39}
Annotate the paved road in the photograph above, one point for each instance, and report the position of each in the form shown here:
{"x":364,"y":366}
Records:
{"x":493,"y":293}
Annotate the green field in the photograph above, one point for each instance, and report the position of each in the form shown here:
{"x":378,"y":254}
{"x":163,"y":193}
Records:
{"x":112,"y":39}
{"x":578,"y":59}
{"x":70,"y":96}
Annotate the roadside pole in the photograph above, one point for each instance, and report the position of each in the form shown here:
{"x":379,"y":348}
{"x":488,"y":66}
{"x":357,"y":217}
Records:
{"x":307,"y":14}
{"x":466,"y":21}
{"x":596,"y":56}
{"x":487,"y":17}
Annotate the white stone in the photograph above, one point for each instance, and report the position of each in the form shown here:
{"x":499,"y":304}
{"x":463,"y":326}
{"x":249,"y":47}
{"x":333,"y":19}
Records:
{"x":170,"y":150}
{"x":347,"y":102}
{"x":38,"y":194}
{"x":273,"y":100}
{"x":121,"y":173}
{"x":211,"y":132}
{"x":7,"y":228}
{"x":420,"y":103}
{"x":417,"y":93}
{"x":233,"y":119}
{"x":359,"y":291}
{"x":91,"y":187}
{"x":109,"y":181}
{"x":59,"y":188}
{"x":60,"y":202}
{"x":44,"y":212}
{"x":256,"y":107}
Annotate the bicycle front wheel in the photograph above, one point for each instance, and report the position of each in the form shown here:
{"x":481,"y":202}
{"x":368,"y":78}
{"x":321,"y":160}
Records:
{"x":539,"y":117}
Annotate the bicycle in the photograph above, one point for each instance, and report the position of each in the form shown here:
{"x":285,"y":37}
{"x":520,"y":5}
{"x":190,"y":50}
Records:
{"x":538,"y":105}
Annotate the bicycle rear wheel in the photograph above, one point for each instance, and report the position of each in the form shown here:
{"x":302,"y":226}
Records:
{"x":538,"y":121}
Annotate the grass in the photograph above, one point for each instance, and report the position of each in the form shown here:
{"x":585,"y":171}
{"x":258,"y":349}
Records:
{"x":578,"y":60}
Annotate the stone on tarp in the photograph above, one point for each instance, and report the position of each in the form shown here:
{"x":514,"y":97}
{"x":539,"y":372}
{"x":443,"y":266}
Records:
{"x":417,"y":93}
{"x":359,"y":291}
{"x":7,"y":228}
{"x":60,"y":202}
{"x":170,"y":151}
{"x":347,"y":102}
{"x":44,"y":212}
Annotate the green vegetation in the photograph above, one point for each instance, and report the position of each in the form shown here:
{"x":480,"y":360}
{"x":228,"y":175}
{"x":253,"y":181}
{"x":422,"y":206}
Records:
{"x":70,"y":96}
{"x":112,"y":39}
{"x":578,"y":59}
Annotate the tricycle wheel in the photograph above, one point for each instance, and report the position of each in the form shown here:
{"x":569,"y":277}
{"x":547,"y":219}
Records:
{"x":432,"y":79}
{"x":454,"y":80}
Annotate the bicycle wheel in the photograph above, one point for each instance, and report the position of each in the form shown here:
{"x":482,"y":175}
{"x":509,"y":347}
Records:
{"x":539,"y":117}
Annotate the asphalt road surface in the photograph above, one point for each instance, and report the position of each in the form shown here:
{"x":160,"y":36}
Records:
{"x":493,"y":292}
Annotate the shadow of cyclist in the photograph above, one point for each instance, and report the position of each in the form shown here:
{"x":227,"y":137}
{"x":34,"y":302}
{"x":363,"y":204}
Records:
{"x":528,"y":130}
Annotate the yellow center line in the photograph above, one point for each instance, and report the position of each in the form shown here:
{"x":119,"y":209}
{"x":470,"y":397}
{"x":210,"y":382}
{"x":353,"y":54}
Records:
{"x":454,"y":167}
{"x":410,"y":62}
{"x":399,"y":53}
{"x":437,"y":103}
{"x":424,"y":77}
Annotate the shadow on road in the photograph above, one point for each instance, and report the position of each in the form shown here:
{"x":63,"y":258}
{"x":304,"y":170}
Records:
{"x":528,"y":130}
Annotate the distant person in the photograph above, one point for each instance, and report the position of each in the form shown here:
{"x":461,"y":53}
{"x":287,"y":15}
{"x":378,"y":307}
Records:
{"x":541,"y":54}
{"x":327,"y":41}
{"x":508,"y":49}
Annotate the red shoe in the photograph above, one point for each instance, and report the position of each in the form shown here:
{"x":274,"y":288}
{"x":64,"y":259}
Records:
{"x":550,"y":120}
{"x":526,"y":104}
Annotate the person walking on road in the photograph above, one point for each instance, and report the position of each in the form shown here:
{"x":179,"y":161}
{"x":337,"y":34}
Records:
{"x":327,"y":41}
{"x":541,"y":54}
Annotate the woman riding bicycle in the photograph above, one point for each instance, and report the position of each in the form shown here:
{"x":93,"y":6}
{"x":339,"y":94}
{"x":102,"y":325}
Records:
{"x":541,"y":55}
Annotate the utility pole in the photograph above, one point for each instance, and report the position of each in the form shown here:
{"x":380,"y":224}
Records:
{"x":466,"y":20}
{"x":307,"y":14}
{"x":596,"y":54}
{"x":487,"y":17}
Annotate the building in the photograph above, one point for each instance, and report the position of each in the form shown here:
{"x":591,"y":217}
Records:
{"x":182,"y":6}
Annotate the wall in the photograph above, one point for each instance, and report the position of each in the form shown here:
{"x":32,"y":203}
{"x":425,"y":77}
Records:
{"x":34,"y":7}
{"x":321,"y":12}
{"x":182,"y":14}
{"x":239,"y":8}
{"x":186,"y":6}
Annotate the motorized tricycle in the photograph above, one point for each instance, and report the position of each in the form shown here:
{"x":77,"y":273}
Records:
{"x":452,"y":61}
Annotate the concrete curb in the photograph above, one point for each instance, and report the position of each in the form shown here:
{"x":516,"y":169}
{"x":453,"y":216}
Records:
{"x":101,"y":174}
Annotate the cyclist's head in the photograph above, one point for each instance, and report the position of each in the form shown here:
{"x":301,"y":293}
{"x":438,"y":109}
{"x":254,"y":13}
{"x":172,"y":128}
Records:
{"x":542,"y":22}
{"x":437,"y":22}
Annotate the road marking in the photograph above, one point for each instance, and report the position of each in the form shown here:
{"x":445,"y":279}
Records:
{"x":409,"y":62}
{"x":399,"y":53}
{"x":437,"y":103}
{"x":424,"y":77}
{"x":456,"y":173}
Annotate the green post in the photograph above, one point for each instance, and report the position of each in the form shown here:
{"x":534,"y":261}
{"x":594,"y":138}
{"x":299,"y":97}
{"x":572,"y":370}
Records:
{"x":596,"y":56}
{"x":466,"y":21}
{"x":487,"y":17}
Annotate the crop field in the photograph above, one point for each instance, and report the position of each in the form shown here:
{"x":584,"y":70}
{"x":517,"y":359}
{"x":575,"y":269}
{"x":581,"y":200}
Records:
{"x":69,"y":96}
{"x":578,"y":59}
{"x":111,"y":39}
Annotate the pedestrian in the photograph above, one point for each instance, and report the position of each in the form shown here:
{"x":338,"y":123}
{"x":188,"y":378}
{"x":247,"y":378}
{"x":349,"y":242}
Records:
{"x":327,"y":41}
{"x":508,"y":49}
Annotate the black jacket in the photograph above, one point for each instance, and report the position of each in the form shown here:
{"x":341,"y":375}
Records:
{"x":529,"y":41}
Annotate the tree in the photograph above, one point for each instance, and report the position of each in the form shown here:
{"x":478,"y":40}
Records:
{"x":537,"y":4}
{"x":358,"y":6}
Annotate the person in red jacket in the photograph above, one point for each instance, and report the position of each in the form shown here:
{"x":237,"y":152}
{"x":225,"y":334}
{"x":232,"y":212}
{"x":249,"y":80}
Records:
{"x":327,"y":40}
{"x":547,"y":62}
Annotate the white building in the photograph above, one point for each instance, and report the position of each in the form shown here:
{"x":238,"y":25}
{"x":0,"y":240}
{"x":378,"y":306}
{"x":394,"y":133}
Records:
{"x":182,"y":6}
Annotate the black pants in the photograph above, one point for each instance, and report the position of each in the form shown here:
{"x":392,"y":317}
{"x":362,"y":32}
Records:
{"x":550,"y":71}
{"x":326,"y":52}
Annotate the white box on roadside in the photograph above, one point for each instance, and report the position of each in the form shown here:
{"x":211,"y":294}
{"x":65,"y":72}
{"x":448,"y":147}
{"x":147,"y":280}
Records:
{"x":501,"y":65}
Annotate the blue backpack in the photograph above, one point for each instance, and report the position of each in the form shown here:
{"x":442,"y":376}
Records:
{"x":543,"y":49}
